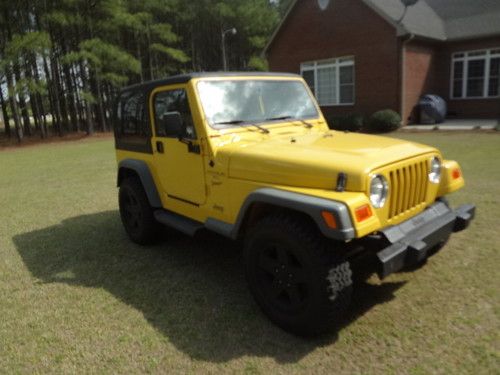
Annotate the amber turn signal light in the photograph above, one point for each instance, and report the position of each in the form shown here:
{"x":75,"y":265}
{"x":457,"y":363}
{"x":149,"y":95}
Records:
{"x":456,"y":173}
{"x":329,"y":219}
{"x":362,"y":213}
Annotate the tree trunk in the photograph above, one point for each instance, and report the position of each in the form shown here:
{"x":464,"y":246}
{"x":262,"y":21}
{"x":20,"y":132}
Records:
{"x":78,"y":100}
{"x":10,"y":84}
{"x":87,"y":105}
{"x":34,"y":66}
{"x":96,"y":93}
{"x":5,"y":114}
{"x":71,"y":102}
{"x":33,"y":103}
{"x":139,"y":55}
{"x":110,"y":105}
{"x":150,"y":58}
{"x":22,"y":102}
{"x":43,"y":125}
{"x":42,"y":120}
{"x":61,"y":97}
{"x":56,"y":97}
{"x":71,"y":99}
{"x":53,"y":111}
{"x":13,"y":106}
{"x":193,"y":51}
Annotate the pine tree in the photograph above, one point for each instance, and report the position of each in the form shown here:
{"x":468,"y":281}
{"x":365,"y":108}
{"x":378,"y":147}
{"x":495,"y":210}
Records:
{"x":62,"y":62}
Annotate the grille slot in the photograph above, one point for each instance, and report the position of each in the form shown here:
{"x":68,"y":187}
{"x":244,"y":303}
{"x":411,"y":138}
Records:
{"x":408,"y":187}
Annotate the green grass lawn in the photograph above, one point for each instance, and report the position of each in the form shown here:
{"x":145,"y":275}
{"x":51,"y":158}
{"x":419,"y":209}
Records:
{"x":77,"y":296}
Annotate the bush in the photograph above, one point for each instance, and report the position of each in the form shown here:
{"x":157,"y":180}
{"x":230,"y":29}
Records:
{"x":352,"y":123}
{"x":384,"y":121}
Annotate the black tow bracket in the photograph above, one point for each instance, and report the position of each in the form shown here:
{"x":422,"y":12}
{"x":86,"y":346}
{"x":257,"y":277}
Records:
{"x":412,"y":239}
{"x":465,"y":214}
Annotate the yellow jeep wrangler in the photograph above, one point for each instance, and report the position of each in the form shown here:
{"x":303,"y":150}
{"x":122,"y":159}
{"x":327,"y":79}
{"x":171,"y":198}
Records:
{"x":250,"y":156}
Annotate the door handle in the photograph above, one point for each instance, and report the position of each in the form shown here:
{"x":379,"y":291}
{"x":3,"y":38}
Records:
{"x":195,"y":149}
{"x":159,"y":147}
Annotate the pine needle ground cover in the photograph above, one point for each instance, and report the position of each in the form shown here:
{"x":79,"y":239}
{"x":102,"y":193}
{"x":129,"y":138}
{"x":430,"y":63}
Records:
{"x":77,"y":296}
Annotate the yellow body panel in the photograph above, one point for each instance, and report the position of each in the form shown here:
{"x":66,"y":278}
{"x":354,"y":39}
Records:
{"x":448,"y":183}
{"x":236,"y":161}
{"x":179,"y":173}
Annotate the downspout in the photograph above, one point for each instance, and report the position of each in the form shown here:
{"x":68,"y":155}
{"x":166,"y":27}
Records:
{"x":403,"y":75}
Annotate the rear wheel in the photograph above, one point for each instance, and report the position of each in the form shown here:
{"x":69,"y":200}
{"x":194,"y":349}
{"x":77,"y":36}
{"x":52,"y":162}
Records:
{"x":298,"y":282}
{"x":136,"y":213}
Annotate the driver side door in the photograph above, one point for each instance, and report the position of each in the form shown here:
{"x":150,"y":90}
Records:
{"x":177,"y":157}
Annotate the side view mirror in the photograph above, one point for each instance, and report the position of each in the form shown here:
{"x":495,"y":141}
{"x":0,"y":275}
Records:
{"x":172,"y":125}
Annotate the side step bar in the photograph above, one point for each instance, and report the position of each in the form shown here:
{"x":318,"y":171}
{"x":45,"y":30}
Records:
{"x":181,"y":223}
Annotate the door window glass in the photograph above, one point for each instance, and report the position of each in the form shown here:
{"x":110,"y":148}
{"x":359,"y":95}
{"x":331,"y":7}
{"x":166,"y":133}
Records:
{"x":166,"y":102}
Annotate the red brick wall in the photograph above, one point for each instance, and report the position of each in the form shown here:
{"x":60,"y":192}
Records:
{"x":419,"y":76}
{"x":346,"y":27}
{"x":349,"y":27}
{"x":472,"y":108}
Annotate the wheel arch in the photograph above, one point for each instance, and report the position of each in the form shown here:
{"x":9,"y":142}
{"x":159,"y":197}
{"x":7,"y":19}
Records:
{"x":269,"y":200}
{"x":139,"y":169}
{"x":257,"y":210}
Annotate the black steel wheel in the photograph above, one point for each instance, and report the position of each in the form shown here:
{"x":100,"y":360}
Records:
{"x":136,"y":213}
{"x":295,"y":275}
{"x":282,"y":276}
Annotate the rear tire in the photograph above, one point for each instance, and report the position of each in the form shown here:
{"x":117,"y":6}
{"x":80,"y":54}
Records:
{"x":296,"y":279}
{"x":136,"y":213}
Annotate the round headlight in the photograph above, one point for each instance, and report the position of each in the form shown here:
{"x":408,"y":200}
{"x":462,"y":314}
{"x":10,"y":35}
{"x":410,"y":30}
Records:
{"x":378,"y":191}
{"x":435,"y":172}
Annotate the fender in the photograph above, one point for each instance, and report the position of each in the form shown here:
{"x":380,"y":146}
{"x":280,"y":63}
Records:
{"x":141,"y":168}
{"x":309,"y":205}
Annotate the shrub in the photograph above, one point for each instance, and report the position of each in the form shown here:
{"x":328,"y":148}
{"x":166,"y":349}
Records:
{"x":352,"y":123}
{"x":384,"y":121}
{"x":333,"y":122}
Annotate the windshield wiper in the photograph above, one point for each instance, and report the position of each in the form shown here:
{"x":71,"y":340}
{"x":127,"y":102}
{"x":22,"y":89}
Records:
{"x":242,"y":123}
{"x":306,"y":124}
{"x":278,"y":118}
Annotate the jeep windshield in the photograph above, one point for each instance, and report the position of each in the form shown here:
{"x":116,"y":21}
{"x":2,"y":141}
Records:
{"x":249,"y":102}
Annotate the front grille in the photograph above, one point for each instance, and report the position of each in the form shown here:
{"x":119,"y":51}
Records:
{"x":408,"y":187}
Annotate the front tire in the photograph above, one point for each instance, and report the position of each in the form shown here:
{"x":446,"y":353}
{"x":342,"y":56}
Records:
{"x":297,"y":280}
{"x":136,"y":213}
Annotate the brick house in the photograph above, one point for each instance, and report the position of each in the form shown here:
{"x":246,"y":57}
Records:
{"x":360,"y":56}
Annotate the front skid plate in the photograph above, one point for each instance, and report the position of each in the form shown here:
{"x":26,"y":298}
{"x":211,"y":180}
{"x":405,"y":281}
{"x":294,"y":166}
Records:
{"x":412,"y":239}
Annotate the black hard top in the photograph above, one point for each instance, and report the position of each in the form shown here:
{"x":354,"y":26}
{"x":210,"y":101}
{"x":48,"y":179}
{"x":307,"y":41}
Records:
{"x":184,"y":78}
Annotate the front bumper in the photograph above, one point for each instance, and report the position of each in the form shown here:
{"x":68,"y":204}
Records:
{"x":411,"y":240}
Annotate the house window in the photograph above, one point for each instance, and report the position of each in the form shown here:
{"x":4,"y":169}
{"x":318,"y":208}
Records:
{"x":476,"y":74}
{"x":331,"y":81}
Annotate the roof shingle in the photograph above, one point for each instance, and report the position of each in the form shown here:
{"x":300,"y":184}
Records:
{"x":442,"y":19}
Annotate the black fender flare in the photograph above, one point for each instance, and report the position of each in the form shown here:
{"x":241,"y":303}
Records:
{"x":307,"y":204}
{"x":141,"y":168}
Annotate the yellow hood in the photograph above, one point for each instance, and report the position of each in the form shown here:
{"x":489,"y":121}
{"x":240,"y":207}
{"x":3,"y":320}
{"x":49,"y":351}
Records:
{"x":314,"y":160}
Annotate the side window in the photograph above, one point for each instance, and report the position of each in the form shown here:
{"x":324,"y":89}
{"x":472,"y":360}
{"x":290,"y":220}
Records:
{"x":131,"y":115}
{"x":166,"y":102}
